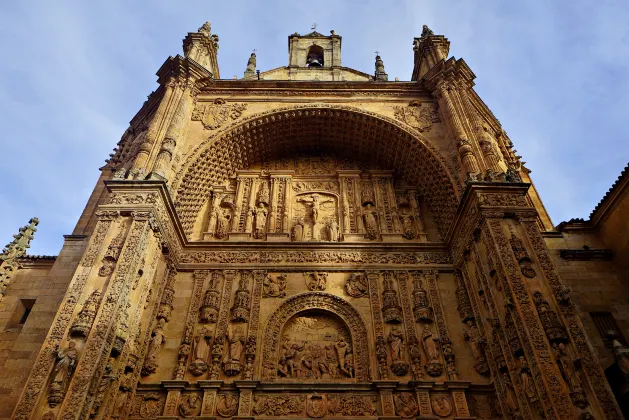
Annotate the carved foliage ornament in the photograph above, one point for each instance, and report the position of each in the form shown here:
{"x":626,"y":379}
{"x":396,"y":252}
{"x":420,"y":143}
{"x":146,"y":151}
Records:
{"x":214,"y":115}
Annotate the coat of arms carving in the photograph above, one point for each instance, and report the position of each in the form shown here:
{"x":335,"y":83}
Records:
{"x":217,"y":113}
{"x":417,"y":115}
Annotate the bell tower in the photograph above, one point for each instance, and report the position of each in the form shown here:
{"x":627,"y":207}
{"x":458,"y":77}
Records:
{"x":314,"y":50}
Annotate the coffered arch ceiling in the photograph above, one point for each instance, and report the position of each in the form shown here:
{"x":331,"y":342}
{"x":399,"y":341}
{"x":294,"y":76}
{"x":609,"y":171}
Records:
{"x":342,"y":131}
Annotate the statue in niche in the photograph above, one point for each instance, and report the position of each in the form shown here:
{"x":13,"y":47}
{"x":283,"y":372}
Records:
{"x":124,"y":392}
{"x":298,"y":231}
{"x":431,"y":350}
{"x":568,"y":369}
{"x":263,"y":194}
{"x":371,"y":221}
{"x":476,"y":342}
{"x":407,"y":226}
{"x":235,"y":344}
{"x":260,"y":213}
{"x":223,"y":224}
{"x":316,"y":280}
{"x":430,"y":345}
{"x":84,"y":319}
{"x":155,"y":346}
{"x":201,"y":352}
{"x":367,"y":194}
{"x":509,"y":400}
{"x":397,"y":221}
{"x":214,"y":212}
{"x":333,"y":231}
{"x":314,"y":201}
{"x":274,"y":287}
{"x":396,"y":345}
{"x":526,"y":380}
{"x":356,"y":285}
{"x":63,"y":370}
{"x":289,"y":363}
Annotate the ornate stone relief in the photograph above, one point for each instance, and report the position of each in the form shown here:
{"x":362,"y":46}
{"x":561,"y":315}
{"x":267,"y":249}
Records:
{"x":242,"y":299}
{"x":156,"y":343}
{"x":211,"y":300}
{"x":274,"y":286}
{"x":189,"y":405}
{"x":276,"y":406}
{"x":235,"y":340}
{"x":391,"y":310}
{"x":442,"y":405}
{"x":216,"y":114}
{"x":406,"y":405}
{"x":396,"y":346}
{"x":84,"y":319}
{"x":421,"y":305}
{"x":316,"y":280}
{"x":418,"y":115}
{"x":356,"y":285}
{"x":66,"y":361}
{"x":351,"y":405}
{"x":227,"y":405}
{"x":201,"y":352}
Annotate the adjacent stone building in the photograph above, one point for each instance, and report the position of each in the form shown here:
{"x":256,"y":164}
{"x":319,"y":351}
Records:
{"x":314,"y":241}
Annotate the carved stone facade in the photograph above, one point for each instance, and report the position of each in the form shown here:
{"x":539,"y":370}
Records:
{"x":258,"y":251}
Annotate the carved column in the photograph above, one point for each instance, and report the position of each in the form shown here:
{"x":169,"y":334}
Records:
{"x":116,"y":292}
{"x":254,"y":320}
{"x":442,"y":327}
{"x":288,"y":195}
{"x":413,"y":342}
{"x":274,"y":204}
{"x":543,"y":319}
{"x":378,"y":328}
{"x":221,"y":325}
{"x":141,"y":159}
{"x":178,"y":121}
{"x":349,"y":212}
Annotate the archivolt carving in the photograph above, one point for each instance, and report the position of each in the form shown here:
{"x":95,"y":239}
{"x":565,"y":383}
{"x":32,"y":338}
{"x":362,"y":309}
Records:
{"x":315,"y":301}
{"x":342,"y":130}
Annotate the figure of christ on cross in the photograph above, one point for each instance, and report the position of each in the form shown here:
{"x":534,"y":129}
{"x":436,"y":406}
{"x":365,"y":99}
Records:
{"x":315,"y":202}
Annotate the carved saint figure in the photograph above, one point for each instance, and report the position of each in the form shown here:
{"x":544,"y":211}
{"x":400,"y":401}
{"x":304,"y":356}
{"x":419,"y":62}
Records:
{"x":333,"y":231}
{"x":405,"y":405}
{"x":260,"y":214}
{"x":155,"y":346}
{"x":395,"y":339}
{"x":274,"y":287}
{"x":235,"y":341}
{"x":64,"y":368}
{"x":215,"y":211}
{"x":526,"y":380}
{"x":315,"y":202}
{"x":201,"y":352}
{"x":371,"y":222}
{"x":407,"y":226}
{"x":222,"y":226}
{"x":298,"y":231}
{"x":125,"y":388}
{"x":430,"y":345}
{"x":474,"y":339}
{"x":566,"y":367}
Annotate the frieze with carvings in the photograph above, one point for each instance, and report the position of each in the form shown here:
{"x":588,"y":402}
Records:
{"x":216,"y":114}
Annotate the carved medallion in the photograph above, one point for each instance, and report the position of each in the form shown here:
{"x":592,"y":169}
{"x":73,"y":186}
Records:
{"x":152,"y":405}
{"x":417,"y":115}
{"x":214,"y":115}
{"x":316,"y":280}
{"x":316,"y":406}
{"x":190,"y":405}
{"x":406,"y":405}
{"x":227,"y":405}
{"x":356,"y":285}
{"x":441,"y":405}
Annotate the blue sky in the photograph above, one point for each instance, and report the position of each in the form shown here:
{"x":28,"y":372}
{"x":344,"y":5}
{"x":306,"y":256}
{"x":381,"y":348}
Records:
{"x":556,"y":74}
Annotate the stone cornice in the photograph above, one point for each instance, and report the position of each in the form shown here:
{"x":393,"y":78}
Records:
{"x":453,"y":69}
{"x":181,"y":67}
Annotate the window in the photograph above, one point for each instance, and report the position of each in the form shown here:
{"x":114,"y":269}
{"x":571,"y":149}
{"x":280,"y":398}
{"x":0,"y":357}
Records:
{"x":20,"y":314}
{"x":315,"y":56}
{"x":607,"y":328}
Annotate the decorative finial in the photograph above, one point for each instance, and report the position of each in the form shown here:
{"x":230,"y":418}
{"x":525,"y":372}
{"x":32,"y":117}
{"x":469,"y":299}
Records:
{"x":332,"y":32}
{"x":205,"y":29}
{"x":314,"y":27}
{"x":13,"y":251}
{"x":380,"y":75}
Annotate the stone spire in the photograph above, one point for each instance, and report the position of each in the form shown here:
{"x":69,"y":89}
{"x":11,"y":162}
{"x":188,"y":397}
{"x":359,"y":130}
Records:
{"x":202,"y":47}
{"x":13,"y":251}
{"x":380,"y":74}
{"x":250,"y":72}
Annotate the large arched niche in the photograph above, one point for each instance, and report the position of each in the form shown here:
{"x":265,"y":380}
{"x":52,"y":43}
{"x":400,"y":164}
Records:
{"x":320,"y":304}
{"x":343,"y":131}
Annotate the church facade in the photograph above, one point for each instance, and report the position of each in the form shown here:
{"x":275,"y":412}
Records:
{"x":313,"y":241}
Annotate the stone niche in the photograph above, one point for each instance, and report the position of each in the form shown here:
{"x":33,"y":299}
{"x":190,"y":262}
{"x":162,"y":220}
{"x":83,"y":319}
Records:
{"x":316,"y":345}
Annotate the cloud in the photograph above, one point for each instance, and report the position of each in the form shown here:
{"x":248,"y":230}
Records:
{"x":554,"y":73}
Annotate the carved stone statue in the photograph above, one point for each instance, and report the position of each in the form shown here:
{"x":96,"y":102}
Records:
{"x":476,"y":342}
{"x":289,"y":365}
{"x":315,"y":202}
{"x":333,"y":231}
{"x":396,"y":345}
{"x":568,"y":369}
{"x":155,"y":346}
{"x":227,"y":405}
{"x":526,"y":380}
{"x":235,"y":343}
{"x":263,"y":194}
{"x":274,"y":287}
{"x":124,"y":392}
{"x":190,"y":405}
{"x":223,"y":224}
{"x":298,"y":231}
{"x":342,"y":349}
{"x":429,"y":343}
{"x":260,"y":214}
{"x":371,"y":221}
{"x":63,"y":370}
{"x":251,"y":63}
{"x":407,"y":226}
{"x":201,"y":352}
{"x":215,"y":211}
